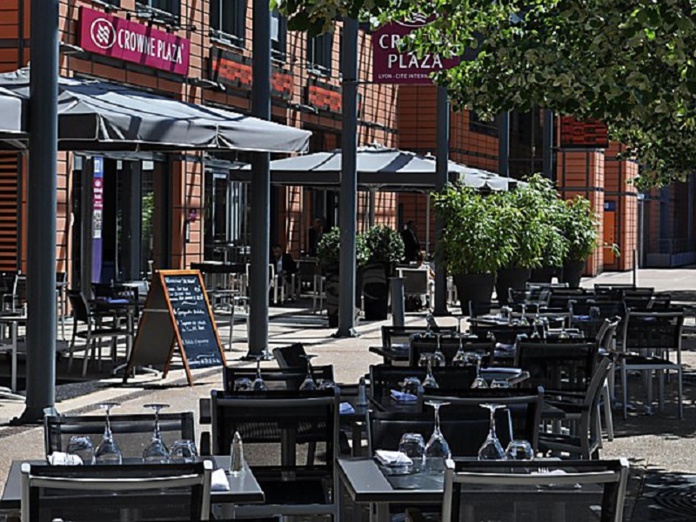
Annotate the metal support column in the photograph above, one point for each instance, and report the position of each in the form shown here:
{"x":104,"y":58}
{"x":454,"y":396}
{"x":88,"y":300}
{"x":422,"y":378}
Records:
{"x":132,"y":219}
{"x":442,"y":159}
{"x":260,"y":185}
{"x":548,"y":144}
{"x":348,"y":206}
{"x":372,"y":205}
{"x":42,"y":188}
{"x":504,"y":144}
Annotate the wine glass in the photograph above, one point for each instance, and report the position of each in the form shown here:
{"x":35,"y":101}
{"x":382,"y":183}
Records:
{"x":156,"y":451}
{"x":517,"y":449}
{"x":438,"y":356}
{"x":410,"y":385}
{"x":429,"y":381}
{"x":491,"y":448}
{"x":243,"y":384}
{"x":459,"y":358}
{"x":479,"y":382}
{"x":436,"y":450}
{"x":308,"y":384}
{"x":81,"y":446}
{"x":413,"y":446}
{"x":107,"y":451}
{"x":258,"y":385}
{"x":183,"y":450}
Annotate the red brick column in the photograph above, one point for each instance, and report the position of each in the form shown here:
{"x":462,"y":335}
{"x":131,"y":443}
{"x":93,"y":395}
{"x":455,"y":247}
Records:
{"x":581,"y":173}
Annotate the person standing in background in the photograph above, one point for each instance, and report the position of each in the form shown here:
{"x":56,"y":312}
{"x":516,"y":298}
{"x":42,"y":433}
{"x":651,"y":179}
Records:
{"x":315,"y":234}
{"x":411,"y":243}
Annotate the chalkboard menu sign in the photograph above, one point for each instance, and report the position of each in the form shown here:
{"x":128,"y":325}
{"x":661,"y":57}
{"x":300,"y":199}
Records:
{"x":177,"y":313}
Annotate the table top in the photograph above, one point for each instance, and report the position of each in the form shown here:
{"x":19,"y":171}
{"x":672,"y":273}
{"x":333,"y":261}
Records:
{"x":365,"y":482}
{"x":244,"y":488}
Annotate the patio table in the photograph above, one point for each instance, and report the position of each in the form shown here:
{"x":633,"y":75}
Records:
{"x":244,"y":489}
{"x":366,"y":483}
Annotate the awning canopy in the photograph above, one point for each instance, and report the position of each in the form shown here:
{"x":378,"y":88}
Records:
{"x":97,"y":115}
{"x":11,"y":128}
{"x":378,"y":167}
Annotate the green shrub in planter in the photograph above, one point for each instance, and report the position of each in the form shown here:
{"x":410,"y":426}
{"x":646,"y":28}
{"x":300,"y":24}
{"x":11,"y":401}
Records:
{"x":384,"y":245}
{"x":329,"y":248}
{"x":578,"y":226}
{"x":476,"y":238}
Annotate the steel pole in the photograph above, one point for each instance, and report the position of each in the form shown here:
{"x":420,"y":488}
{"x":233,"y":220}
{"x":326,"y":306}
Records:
{"x":348,"y":206}
{"x":548,"y":144}
{"x":260,"y":185}
{"x":504,"y":144}
{"x":42,"y":187}
{"x":442,"y":159}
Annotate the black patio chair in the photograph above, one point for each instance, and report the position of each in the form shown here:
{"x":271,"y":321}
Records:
{"x":574,"y":491}
{"x":132,"y":432}
{"x":273,"y":425}
{"x":112,"y":493}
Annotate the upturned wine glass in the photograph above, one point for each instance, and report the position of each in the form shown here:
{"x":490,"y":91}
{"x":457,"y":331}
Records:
{"x":410,"y":385}
{"x":437,"y":450}
{"x":107,"y":451}
{"x":413,"y":446}
{"x":429,"y":381}
{"x":517,"y":449}
{"x":308,"y":384}
{"x":491,"y":448}
{"x":259,"y":384}
{"x":438,"y":356}
{"x":459,"y":358}
{"x":183,"y":450}
{"x":479,"y":382}
{"x":156,"y":451}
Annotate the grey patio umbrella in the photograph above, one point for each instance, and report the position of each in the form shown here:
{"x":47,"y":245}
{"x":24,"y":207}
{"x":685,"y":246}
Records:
{"x":378,"y":168}
{"x":11,"y":128}
{"x":97,"y":115}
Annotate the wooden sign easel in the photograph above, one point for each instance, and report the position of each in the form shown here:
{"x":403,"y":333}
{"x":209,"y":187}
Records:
{"x":177,"y":313}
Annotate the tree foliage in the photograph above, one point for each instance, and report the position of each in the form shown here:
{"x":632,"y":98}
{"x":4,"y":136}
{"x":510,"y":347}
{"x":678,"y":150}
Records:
{"x":629,"y":63}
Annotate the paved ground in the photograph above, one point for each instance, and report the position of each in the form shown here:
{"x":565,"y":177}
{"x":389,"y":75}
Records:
{"x":659,"y":442}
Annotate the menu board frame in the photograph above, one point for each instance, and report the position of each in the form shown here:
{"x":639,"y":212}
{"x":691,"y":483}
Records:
{"x":159,"y":332}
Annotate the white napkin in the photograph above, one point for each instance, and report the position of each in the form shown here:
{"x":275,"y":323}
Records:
{"x":403,"y":397}
{"x":393,"y":458}
{"x":218,"y":481}
{"x":58,"y":458}
{"x":345,"y":408}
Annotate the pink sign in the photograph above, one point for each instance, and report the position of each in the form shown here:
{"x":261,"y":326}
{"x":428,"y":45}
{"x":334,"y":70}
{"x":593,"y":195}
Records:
{"x":108,"y":35}
{"x":390,"y":65}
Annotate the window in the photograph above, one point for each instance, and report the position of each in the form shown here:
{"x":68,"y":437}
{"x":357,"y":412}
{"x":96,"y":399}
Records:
{"x":167,"y":11}
{"x":108,"y":3}
{"x":279,"y":31}
{"x":228,"y":20}
{"x":319,"y":53}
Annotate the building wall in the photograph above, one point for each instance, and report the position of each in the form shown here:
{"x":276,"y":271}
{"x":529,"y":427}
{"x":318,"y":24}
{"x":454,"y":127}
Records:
{"x":393,"y":116}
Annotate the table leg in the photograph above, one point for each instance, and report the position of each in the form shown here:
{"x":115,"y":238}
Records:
{"x":379,"y":512}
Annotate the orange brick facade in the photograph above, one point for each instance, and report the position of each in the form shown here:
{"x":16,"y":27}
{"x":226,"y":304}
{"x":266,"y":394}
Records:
{"x":401,"y":117}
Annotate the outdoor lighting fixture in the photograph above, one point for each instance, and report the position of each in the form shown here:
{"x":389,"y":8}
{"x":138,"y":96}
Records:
{"x":66,"y":48}
{"x":203,"y":83}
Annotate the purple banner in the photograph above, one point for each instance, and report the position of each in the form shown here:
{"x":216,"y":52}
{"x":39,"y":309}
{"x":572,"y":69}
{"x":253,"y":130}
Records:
{"x":389,"y":65}
{"x":108,"y":35}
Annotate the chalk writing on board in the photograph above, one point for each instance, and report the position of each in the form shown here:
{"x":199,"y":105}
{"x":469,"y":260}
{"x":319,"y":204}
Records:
{"x":194,"y":321}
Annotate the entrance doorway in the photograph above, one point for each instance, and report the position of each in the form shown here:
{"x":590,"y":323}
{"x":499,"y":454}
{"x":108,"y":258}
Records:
{"x":121,"y":219}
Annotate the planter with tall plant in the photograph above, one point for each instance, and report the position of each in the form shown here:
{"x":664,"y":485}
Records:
{"x":578,"y":224}
{"x":475,"y":240}
{"x":386,"y":249}
{"x":328,"y":257}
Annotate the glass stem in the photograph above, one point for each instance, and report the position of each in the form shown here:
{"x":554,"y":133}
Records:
{"x":437,"y":419}
{"x":107,"y":426}
{"x":492,"y":426}
{"x":509,"y":415}
{"x":157,"y":426}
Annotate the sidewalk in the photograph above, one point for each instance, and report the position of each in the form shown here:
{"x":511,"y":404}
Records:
{"x":660,"y":441}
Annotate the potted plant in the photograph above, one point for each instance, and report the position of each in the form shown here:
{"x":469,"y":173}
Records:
{"x":539,"y":246}
{"x":386,"y":248}
{"x":475,"y":240}
{"x":328,"y":257}
{"x":578,"y":224}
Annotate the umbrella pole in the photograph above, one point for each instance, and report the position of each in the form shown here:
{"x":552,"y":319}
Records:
{"x":443,"y":125}
{"x":427,"y":223}
{"x":349,"y":180}
{"x":42,"y":183}
{"x":260,"y":187}
{"x":373,"y":201}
